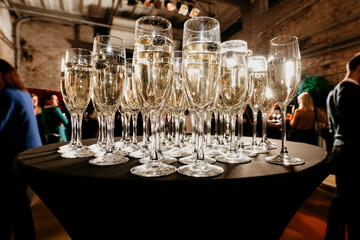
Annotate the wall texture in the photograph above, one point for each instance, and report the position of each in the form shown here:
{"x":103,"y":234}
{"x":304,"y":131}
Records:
{"x":6,"y":38}
{"x":43,"y":43}
{"x":328,"y":32}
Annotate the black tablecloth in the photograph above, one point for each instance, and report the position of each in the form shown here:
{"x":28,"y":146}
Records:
{"x":248,"y":201}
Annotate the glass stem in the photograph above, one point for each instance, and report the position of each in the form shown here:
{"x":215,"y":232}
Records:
{"x":154,"y":140}
{"x":103,"y":129}
{"x":232,"y":132}
{"x":109,"y":132}
{"x":283,"y":132}
{"x":73,"y":129}
{"x":200,"y":128}
{"x":241,"y":129}
{"x":145,"y":129}
{"x":216,"y":126}
{"x":193,"y":127}
{"x":177,"y":129}
{"x":100,"y":123}
{"x":264,"y":120}
{"x":79,"y":117}
{"x":134,"y":117}
{"x":127,"y":122}
{"x":123,"y":126}
{"x":208,"y":116}
{"x":255,"y":114}
{"x":221,"y":128}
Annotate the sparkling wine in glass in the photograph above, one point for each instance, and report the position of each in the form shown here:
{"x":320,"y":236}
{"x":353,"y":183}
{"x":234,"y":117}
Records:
{"x":177,"y":105}
{"x":201,"y":66}
{"x":108,"y":80}
{"x":153,"y":74}
{"x":284,"y":80}
{"x":72,"y":144}
{"x":264,"y":108}
{"x":257,"y":66}
{"x":234,"y":88}
{"x":78,"y":71}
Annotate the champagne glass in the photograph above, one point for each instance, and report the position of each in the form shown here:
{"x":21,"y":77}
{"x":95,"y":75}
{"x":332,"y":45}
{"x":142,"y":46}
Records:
{"x":264,"y":108}
{"x":201,"y":63}
{"x":72,"y":144}
{"x":177,"y":105}
{"x":153,"y":68}
{"x":257,"y":66}
{"x":284,"y":80}
{"x":130,"y":105}
{"x":78,"y":73}
{"x":108,"y":80}
{"x":234,"y":89}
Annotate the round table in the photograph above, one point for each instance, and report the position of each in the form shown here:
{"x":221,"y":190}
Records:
{"x":255,"y":200}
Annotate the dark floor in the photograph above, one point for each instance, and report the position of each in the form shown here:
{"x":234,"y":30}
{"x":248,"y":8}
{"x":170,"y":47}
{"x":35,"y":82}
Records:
{"x":308,"y":223}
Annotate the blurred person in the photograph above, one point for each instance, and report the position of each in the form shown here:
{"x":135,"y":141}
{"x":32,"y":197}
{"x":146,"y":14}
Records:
{"x":302,"y":122}
{"x":344,"y":125}
{"x":18,"y":132}
{"x":53,"y":120}
{"x":37,"y":107}
{"x":37,"y":112}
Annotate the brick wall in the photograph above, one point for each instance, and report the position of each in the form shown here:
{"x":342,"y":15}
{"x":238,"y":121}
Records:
{"x":328,"y":32}
{"x":43,"y":43}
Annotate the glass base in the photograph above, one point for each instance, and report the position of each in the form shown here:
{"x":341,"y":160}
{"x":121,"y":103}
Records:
{"x":192,"y":158}
{"x":115,"y":152}
{"x":142,"y":153}
{"x":78,"y":153}
{"x":210,"y":152}
{"x":201,"y":169}
{"x":177,"y":152}
{"x":267,"y":144}
{"x":284,"y":159}
{"x":97,"y":147}
{"x":254,"y":150}
{"x":66,"y":148}
{"x":153,"y":169}
{"x":108,"y":159}
{"x":130,"y":148}
{"x":163,"y":159}
{"x":233,"y":157}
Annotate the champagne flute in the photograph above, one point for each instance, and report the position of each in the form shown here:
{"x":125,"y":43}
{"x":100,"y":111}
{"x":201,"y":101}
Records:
{"x":177,"y":105}
{"x":284,"y":80}
{"x":108,"y":80}
{"x":153,"y":68}
{"x":234,"y":89}
{"x":201,"y":64}
{"x":130,"y":105}
{"x":78,"y":87}
{"x":264,"y":108}
{"x":72,"y":144}
{"x":258,"y":73}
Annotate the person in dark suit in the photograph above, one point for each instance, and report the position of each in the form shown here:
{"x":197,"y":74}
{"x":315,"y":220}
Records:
{"x":344,"y":120}
{"x":18,"y":132}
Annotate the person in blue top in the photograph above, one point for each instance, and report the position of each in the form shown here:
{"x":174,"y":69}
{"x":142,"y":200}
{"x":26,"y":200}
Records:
{"x":18,"y":131}
{"x":53,"y":120}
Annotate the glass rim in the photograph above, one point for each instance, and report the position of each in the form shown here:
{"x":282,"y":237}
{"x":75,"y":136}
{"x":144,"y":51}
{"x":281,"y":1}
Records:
{"x":291,"y":39}
{"x":234,"y":49}
{"x":169,"y":27}
{"x":201,"y":17}
{"x":77,"y":49}
{"x":110,"y":37}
